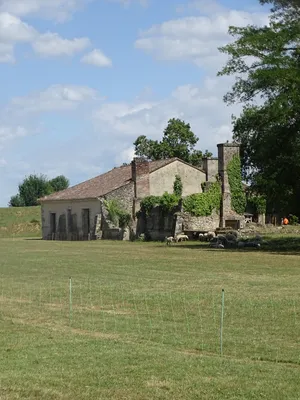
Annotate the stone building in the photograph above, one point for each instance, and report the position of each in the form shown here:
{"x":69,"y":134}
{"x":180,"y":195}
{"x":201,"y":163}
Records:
{"x":79,"y":213}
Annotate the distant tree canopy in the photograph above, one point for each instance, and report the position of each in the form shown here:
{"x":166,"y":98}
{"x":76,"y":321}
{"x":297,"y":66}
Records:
{"x":178,"y":141}
{"x":35,"y":186}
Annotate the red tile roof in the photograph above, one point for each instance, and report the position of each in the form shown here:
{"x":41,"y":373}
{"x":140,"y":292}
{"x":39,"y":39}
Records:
{"x":102,"y":184}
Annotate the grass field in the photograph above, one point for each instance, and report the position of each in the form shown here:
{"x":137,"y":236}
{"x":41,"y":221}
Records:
{"x":20,"y":222}
{"x":145,"y":321}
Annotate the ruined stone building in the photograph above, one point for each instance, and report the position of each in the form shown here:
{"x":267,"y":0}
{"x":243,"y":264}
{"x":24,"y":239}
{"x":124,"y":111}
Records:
{"x":78,"y":213}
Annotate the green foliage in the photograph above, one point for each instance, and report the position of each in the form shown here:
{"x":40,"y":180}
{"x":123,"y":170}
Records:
{"x":16,"y":201}
{"x":178,"y":141}
{"x":265,"y":62}
{"x":258,"y":204}
{"x":167,"y":202}
{"x":59,"y":183}
{"x":203,"y":204}
{"x":34,"y":187}
{"x":116,"y":214}
{"x":148,"y":203}
{"x":177,"y":186}
{"x":293,"y":220}
{"x":238,"y":196}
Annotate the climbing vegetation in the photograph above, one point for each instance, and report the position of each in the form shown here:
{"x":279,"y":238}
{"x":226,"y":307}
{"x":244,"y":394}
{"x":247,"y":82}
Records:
{"x":203,"y":204}
{"x":167,"y":202}
{"x":238,"y":196}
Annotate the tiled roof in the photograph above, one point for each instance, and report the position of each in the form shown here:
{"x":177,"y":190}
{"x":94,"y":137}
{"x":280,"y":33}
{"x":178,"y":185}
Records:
{"x":102,"y":184}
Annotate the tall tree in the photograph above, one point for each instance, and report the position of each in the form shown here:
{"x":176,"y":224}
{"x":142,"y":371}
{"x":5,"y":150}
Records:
{"x":266,"y":63}
{"x":178,"y":141}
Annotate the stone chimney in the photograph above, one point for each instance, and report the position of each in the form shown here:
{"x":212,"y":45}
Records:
{"x":210,"y":167}
{"x":226,"y":151}
{"x":140,"y":177}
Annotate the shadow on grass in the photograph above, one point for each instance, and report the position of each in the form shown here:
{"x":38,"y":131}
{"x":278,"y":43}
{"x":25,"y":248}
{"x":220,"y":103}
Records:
{"x":289,"y":245}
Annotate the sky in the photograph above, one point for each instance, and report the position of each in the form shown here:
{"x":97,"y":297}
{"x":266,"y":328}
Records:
{"x":82,"y":79}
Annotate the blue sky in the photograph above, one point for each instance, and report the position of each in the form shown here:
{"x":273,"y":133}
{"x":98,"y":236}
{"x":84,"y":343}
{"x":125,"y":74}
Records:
{"x":81,"y":79}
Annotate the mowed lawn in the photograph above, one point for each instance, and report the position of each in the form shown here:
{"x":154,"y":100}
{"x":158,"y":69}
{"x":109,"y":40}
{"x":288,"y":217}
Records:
{"x":143,"y":322}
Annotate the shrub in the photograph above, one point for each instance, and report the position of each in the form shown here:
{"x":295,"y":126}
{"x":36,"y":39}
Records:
{"x":293,"y":219}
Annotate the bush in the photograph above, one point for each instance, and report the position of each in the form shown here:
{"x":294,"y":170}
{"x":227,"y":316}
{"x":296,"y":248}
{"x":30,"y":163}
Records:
{"x":293,"y":220}
{"x":167,"y":202}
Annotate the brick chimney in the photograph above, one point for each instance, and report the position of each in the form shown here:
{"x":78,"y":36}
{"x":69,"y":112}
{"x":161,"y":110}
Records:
{"x":140,"y":176}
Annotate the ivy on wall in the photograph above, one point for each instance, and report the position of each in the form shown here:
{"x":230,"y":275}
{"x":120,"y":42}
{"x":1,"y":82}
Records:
{"x":167,"y":202}
{"x":177,"y":186}
{"x":238,"y":196}
{"x":203,"y":204}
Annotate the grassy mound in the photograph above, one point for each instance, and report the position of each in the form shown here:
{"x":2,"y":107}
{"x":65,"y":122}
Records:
{"x":20,"y":222}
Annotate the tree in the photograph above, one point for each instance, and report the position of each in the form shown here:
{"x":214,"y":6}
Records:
{"x":59,"y":183}
{"x":178,"y":141}
{"x":266,"y":64}
{"x":16,"y":201}
{"x":34,"y":187}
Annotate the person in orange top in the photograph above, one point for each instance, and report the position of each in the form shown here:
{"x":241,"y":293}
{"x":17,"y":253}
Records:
{"x":285,"y":221}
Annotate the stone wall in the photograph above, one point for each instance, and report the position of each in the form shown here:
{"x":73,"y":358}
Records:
{"x":205,"y":224}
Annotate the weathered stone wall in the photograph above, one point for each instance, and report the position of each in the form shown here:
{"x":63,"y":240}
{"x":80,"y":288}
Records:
{"x":124,"y":195}
{"x":157,"y":225}
{"x":162,"y":180}
{"x":191,"y":223}
{"x":69,"y":219}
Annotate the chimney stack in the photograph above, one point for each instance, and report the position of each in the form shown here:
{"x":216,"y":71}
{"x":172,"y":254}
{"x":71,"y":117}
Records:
{"x":140,"y":175}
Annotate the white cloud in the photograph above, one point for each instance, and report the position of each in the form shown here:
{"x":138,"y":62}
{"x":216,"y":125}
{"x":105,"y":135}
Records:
{"x":51,"y":45}
{"x":2,"y":162}
{"x":12,"y":29}
{"x":195,"y":39}
{"x":97,"y":58}
{"x":54,"y":98}
{"x":59,"y":10}
{"x":202,"y":106}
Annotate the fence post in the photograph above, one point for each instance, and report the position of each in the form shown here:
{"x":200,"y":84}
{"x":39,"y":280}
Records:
{"x":70,"y":300}
{"x":222,"y":322}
